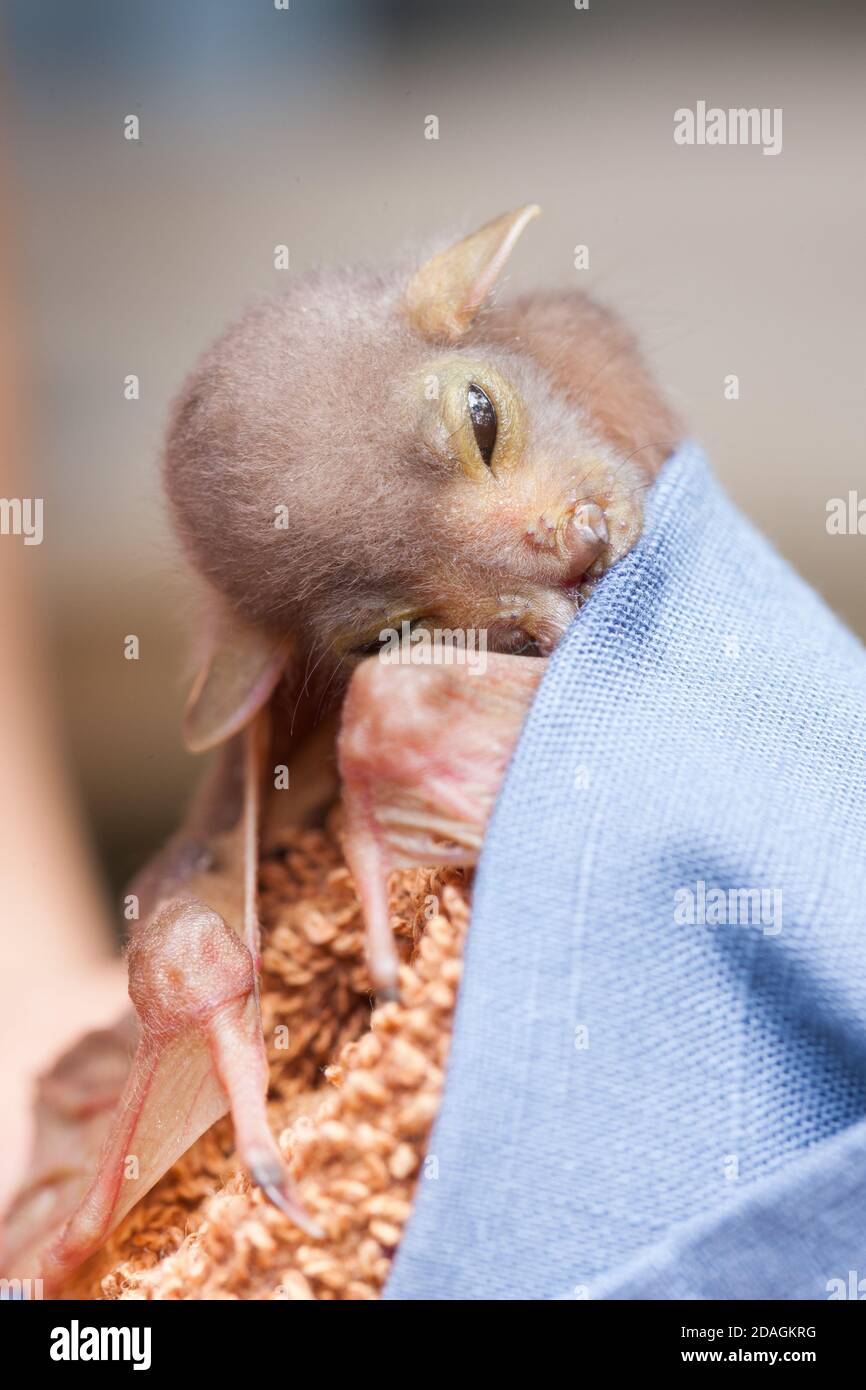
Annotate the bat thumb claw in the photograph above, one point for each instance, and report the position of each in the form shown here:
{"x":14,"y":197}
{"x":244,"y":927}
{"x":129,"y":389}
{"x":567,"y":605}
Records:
{"x":387,"y":992}
{"x":271,"y":1177}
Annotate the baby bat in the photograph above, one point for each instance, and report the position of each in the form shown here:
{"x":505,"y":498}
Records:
{"x":372,"y":448}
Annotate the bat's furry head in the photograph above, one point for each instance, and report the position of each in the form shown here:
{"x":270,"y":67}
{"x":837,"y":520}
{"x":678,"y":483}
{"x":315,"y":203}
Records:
{"x":372,"y":447}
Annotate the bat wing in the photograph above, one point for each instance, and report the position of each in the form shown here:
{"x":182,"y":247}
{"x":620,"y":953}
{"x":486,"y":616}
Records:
{"x":111,"y":1118}
{"x":422,"y":754}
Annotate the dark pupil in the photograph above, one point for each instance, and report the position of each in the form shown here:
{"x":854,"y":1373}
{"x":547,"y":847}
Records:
{"x":483,"y":417}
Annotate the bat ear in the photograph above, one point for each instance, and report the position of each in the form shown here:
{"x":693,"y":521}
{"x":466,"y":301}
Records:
{"x":446,"y":293}
{"x":242,"y":669}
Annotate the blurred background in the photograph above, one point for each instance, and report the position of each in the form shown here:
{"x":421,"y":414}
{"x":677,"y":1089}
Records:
{"x":306,"y":126}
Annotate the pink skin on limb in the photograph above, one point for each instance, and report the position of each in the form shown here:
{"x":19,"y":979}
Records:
{"x":191,"y":981}
{"x":422,"y":752}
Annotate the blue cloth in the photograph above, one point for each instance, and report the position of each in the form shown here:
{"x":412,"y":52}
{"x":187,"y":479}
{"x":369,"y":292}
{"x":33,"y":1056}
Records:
{"x":648,"y":1073}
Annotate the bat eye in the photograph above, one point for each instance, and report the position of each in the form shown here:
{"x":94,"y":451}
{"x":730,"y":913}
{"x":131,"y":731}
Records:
{"x":482,"y":413}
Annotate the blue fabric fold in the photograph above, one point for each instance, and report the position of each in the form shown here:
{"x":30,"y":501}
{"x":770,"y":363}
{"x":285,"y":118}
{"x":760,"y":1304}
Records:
{"x":662,"y":1022}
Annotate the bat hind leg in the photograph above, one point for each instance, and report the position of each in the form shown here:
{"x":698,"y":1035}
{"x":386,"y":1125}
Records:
{"x":192,"y":982}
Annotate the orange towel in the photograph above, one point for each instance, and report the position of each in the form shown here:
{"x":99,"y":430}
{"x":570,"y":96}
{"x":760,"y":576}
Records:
{"x":353,"y":1096}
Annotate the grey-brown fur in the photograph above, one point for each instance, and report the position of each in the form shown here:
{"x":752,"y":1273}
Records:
{"x":304,"y":404}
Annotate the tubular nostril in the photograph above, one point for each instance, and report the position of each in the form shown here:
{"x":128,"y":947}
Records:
{"x":582,"y":539}
{"x":589,"y":524}
{"x":576,"y":536}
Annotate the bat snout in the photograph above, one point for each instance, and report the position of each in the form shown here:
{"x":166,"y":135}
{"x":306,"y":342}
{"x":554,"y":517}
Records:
{"x":575,"y":536}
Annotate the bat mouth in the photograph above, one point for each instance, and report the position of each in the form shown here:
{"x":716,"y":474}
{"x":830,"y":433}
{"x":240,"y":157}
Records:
{"x":530,"y":625}
{"x":526,"y":620}
{"x":520,"y":642}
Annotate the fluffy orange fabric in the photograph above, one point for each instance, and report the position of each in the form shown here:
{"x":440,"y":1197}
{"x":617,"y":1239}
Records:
{"x":353,"y":1096}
